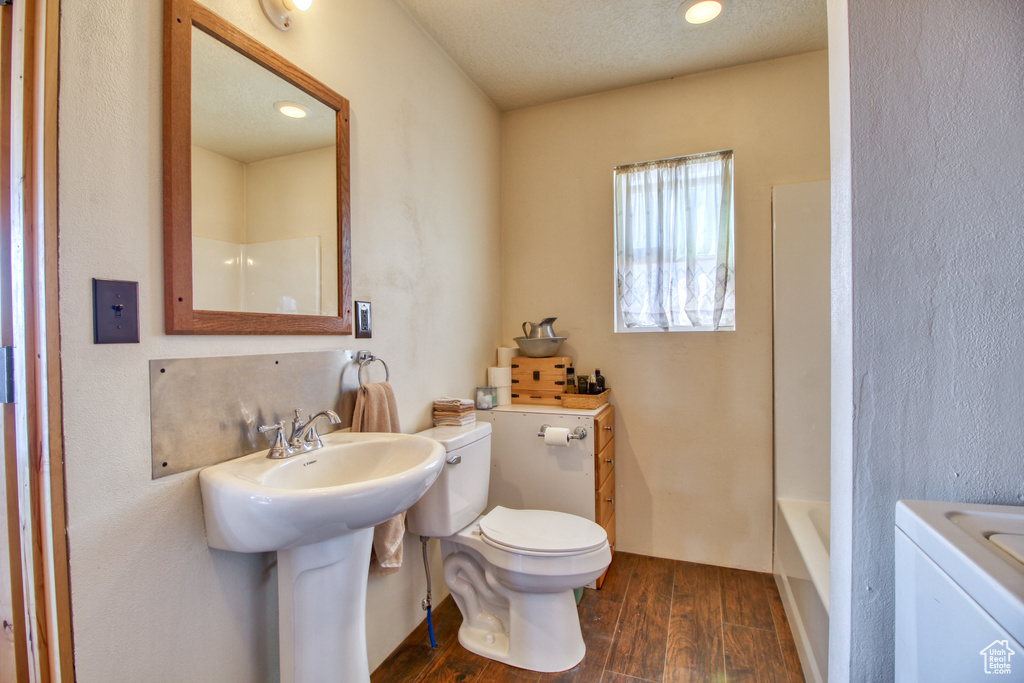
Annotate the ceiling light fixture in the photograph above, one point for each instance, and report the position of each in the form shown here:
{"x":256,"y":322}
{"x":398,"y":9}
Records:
{"x":291,"y":109}
{"x":700,"y":12}
{"x":279,"y":12}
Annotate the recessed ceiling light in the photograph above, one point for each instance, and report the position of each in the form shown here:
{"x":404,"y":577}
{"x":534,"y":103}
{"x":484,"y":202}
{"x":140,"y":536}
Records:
{"x":295,"y":111}
{"x":700,"y":12}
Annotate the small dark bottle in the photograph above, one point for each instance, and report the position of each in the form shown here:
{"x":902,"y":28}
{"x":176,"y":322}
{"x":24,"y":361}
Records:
{"x":597,"y":383}
{"x":570,"y":380}
{"x":583,"y":384}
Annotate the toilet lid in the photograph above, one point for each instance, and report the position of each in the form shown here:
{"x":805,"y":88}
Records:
{"x":542,"y":531}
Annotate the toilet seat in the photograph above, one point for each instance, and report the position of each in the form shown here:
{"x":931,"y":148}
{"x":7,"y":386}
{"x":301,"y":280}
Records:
{"x":542,"y":533}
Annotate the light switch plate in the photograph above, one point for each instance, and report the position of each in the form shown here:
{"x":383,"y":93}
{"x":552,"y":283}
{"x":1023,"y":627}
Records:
{"x":115,"y":312}
{"x":364,"y":320}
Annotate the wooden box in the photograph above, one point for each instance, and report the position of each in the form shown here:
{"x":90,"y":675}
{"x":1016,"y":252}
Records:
{"x":539,"y":380}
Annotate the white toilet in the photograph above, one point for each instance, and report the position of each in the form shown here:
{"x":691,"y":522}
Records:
{"x":511,"y":572}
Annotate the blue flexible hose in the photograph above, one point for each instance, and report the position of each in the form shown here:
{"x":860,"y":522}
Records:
{"x":430,"y":628}
{"x":426,"y":600}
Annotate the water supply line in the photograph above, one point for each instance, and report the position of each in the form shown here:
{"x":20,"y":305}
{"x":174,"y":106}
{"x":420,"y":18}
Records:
{"x":426,"y":600}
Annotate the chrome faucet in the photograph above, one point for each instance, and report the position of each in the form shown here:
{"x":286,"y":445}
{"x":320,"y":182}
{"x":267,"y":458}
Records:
{"x":304,"y":436}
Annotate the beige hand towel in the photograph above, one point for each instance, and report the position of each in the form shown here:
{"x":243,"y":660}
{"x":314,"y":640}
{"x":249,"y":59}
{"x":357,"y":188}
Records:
{"x":376,"y":411}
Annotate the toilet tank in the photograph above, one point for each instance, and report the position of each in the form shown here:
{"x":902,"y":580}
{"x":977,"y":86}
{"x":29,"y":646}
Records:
{"x":459,"y":494}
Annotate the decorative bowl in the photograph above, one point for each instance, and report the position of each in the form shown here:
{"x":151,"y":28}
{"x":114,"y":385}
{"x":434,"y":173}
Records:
{"x":539,"y":348}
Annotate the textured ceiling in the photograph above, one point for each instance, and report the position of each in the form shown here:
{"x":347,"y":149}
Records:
{"x":527,"y":52}
{"x":233,"y":110}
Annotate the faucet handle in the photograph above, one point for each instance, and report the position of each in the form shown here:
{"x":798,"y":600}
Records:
{"x":297,"y":424}
{"x":279,"y":426}
{"x":280,"y":448}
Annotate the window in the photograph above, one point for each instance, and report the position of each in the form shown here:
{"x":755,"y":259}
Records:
{"x":674,"y":253}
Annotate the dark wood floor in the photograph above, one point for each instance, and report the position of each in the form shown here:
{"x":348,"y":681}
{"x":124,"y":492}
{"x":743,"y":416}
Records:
{"x":653,"y":620}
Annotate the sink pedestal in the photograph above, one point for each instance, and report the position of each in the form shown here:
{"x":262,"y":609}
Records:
{"x":303,"y":508}
{"x":322,"y":601}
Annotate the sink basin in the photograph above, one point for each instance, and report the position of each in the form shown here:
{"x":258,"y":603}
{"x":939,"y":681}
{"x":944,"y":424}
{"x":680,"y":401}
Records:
{"x":317,"y":511}
{"x":255,"y":504}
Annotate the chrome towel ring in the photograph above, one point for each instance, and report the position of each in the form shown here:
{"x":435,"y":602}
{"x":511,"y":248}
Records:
{"x":364,"y":358}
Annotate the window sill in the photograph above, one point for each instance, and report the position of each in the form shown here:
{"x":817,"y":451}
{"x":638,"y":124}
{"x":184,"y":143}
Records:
{"x":635,"y":330}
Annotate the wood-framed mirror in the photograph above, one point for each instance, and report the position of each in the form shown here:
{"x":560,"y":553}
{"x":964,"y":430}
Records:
{"x":257,"y":213}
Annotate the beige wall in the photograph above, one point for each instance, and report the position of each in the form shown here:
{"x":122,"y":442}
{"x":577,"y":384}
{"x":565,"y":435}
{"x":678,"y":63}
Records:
{"x":151,"y":601}
{"x":694,"y":426}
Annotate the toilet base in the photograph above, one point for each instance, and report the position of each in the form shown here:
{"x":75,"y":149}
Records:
{"x":534,"y":631}
{"x":544,"y":633}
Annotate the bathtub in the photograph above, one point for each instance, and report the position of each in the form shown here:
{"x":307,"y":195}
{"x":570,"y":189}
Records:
{"x":801,"y":571}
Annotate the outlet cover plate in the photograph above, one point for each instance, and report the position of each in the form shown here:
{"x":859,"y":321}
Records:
{"x":364,"y":320}
{"x":115,"y":312}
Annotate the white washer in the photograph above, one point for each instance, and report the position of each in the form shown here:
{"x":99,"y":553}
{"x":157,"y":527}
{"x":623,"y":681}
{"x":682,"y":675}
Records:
{"x":959,"y":592}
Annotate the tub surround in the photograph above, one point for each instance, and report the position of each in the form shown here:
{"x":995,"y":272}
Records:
{"x":801,"y":240}
{"x":801,"y":243}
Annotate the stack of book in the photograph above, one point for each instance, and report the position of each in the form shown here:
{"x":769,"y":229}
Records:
{"x":454,"y":412}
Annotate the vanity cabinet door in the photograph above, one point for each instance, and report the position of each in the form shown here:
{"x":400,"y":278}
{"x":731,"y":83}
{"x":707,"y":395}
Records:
{"x":604,"y":463}
{"x":604,"y":425}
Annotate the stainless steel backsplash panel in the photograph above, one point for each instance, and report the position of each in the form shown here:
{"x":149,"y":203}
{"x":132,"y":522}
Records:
{"x":206,"y":410}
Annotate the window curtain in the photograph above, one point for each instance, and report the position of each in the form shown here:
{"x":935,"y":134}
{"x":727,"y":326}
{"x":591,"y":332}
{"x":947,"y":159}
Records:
{"x":674,"y":243}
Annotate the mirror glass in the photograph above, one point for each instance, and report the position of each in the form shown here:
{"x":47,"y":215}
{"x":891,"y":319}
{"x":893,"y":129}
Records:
{"x":264,"y":198}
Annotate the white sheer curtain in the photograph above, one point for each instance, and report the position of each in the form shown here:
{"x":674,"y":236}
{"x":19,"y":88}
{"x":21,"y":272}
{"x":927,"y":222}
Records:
{"x":674,"y":257}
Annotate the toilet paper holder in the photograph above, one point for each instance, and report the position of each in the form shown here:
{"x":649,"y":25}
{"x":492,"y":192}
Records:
{"x":578,"y":433}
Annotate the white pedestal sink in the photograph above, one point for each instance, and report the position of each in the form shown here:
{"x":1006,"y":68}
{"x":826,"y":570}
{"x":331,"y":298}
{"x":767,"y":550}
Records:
{"x":317,"y":511}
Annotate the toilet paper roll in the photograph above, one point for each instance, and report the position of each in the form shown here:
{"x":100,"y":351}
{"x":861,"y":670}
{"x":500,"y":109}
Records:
{"x":506,"y":354}
{"x":504,"y":396}
{"x":556,"y":436}
{"x":499,"y":377}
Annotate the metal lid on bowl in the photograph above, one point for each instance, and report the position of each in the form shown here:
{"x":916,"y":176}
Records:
{"x":541,"y":531}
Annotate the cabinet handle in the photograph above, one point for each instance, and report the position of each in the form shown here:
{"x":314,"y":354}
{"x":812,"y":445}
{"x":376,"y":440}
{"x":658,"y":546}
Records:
{"x":609,"y":500}
{"x":610,"y":461}
{"x":609,"y":427}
